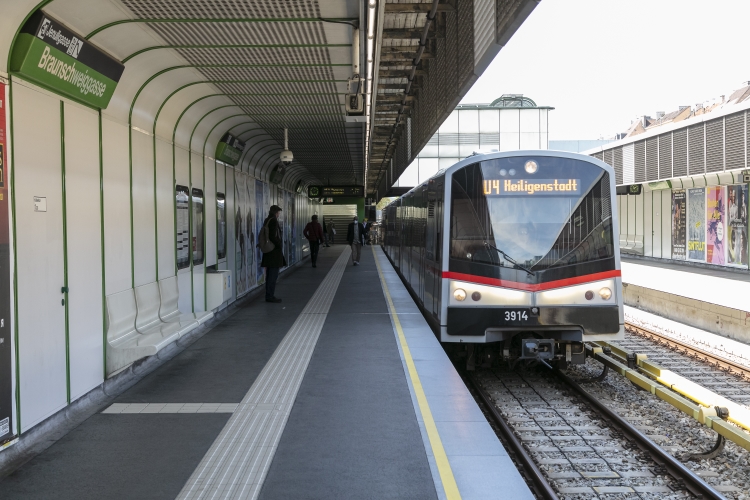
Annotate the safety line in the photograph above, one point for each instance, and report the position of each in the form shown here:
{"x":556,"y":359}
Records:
{"x":441,"y":459}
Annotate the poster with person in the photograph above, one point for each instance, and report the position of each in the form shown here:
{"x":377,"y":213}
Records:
{"x":262,"y":210}
{"x":293,"y":224}
{"x":240,"y":234}
{"x":715,"y":225}
{"x":250,"y":231}
{"x":737,"y":225}
{"x":679,"y":223}
{"x":696,"y":224}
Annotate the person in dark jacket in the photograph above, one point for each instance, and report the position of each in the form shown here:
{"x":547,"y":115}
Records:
{"x":273,"y":260}
{"x":314,"y":234}
{"x":355,"y":235}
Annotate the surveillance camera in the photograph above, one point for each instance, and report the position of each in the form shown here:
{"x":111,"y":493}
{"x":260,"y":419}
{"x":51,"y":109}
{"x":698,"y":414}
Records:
{"x":286,"y":157}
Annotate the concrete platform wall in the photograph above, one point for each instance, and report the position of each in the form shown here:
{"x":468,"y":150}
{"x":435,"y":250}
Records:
{"x":721,"y":320}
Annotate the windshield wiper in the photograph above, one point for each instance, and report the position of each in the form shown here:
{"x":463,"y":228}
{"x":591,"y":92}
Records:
{"x":516,"y":265}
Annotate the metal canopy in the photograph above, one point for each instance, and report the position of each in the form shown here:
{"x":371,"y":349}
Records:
{"x":432,"y":52}
{"x":196,"y":69}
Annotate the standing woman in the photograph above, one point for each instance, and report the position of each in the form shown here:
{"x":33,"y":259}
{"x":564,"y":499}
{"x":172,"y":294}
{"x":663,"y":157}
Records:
{"x":273,"y":260}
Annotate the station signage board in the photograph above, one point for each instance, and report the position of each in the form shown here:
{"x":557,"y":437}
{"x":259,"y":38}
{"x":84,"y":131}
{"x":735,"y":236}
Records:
{"x":229,"y":150}
{"x":335,"y":191}
{"x":53,"y":56}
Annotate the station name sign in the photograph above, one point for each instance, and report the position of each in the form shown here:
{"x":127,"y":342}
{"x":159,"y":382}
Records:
{"x":335,"y":191}
{"x":497,"y":187}
{"x":51,"y":55}
{"x":229,"y":149}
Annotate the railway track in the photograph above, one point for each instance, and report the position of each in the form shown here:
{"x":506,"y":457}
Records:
{"x":577,"y":446}
{"x":711,"y":358}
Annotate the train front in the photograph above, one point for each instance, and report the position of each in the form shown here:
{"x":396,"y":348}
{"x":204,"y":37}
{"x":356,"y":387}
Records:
{"x":531,"y":264}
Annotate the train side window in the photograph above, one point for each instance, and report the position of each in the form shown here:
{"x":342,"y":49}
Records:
{"x":197,"y":239}
{"x":182,"y":229}
{"x":221,"y":226}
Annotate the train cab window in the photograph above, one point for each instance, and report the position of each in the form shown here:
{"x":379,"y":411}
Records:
{"x":182,"y":219}
{"x":553,"y":214}
{"x":197,"y":237}
{"x":221,"y":226}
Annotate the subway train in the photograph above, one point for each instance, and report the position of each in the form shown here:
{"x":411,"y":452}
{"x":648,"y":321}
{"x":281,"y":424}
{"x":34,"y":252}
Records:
{"x":512,"y":256}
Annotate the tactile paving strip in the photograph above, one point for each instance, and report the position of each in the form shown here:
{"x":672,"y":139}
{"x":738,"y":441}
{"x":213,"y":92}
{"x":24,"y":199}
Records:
{"x":237,"y":462}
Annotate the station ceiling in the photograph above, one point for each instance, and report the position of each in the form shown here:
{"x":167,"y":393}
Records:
{"x":195,"y":69}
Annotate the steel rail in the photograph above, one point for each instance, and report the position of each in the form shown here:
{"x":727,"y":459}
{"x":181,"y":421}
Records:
{"x":530,"y":469}
{"x":694,"y":483}
{"x":715,"y":360}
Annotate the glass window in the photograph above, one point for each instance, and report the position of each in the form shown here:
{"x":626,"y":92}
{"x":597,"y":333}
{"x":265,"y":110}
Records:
{"x":450,"y":125}
{"x":197,"y":240}
{"x":221,"y":226}
{"x":489,"y":121}
{"x":557,"y":216}
{"x":182,"y":220}
{"x":468,"y":121}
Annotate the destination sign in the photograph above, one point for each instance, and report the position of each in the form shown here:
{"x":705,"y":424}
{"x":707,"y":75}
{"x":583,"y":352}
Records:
{"x":335,"y":191}
{"x":541,"y":187}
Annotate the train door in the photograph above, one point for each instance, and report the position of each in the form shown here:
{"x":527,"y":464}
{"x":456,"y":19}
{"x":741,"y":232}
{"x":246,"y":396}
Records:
{"x":422,"y":220}
{"x":437,"y":291}
{"x":429,"y":255}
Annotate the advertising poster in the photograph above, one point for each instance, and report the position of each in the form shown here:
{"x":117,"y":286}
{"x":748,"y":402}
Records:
{"x":262,"y":211}
{"x":737,"y":225}
{"x":287,"y":227}
{"x":715,"y":222}
{"x":7,"y":423}
{"x":250,"y":231}
{"x":240,"y":232}
{"x":293,"y":224}
{"x":696,"y":224}
{"x":679,"y":223}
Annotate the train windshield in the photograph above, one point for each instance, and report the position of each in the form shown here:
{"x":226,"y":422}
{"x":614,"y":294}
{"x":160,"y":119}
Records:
{"x":531,"y":214}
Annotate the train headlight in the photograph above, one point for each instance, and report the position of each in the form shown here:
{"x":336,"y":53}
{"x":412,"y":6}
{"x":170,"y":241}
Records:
{"x":605,"y":293}
{"x":589,"y":295}
{"x":476,"y":296}
{"x":459,"y":294}
{"x":531,"y":167}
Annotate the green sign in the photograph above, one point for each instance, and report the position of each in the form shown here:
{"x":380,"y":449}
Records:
{"x":335,"y":191}
{"x":49,"y":54}
{"x":229,"y":149}
{"x":277,"y":173}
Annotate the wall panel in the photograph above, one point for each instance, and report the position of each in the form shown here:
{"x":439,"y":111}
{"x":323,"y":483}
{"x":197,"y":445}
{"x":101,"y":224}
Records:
{"x":82,"y":193}
{"x":116,"y":206}
{"x":39,"y":245}
{"x":144,"y":218}
{"x":165,"y":209}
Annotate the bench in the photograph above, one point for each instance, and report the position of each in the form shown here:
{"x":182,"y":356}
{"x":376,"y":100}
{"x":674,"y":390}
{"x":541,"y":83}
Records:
{"x":144,"y":320}
{"x":169,"y":311}
{"x":631,"y":243}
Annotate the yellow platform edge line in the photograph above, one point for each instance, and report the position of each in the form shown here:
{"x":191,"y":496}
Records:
{"x":441,"y":459}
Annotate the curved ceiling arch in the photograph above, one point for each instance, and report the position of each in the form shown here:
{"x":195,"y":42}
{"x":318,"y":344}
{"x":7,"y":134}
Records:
{"x":168,"y":85}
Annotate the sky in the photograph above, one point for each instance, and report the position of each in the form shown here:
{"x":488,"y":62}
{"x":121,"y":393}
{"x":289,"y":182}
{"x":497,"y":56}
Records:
{"x":603,"y":63}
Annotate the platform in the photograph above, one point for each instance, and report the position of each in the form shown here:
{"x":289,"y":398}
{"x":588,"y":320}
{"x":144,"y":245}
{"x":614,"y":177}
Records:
{"x":712,"y":299}
{"x":340,"y":391}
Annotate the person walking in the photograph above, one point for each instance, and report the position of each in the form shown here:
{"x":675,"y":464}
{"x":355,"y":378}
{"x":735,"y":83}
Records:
{"x":325,"y":232}
{"x":314,"y":234}
{"x":355,"y":235}
{"x":273,"y":260}
{"x":331,"y":231}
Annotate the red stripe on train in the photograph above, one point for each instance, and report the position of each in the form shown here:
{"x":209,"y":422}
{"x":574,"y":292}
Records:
{"x":529,"y":287}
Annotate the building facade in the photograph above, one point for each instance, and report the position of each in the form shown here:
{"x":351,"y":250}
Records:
{"x":681,"y":192}
{"x":509,"y":123}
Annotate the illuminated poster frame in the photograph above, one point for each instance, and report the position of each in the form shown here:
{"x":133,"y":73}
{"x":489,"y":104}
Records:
{"x":182,"y":226}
